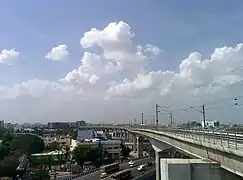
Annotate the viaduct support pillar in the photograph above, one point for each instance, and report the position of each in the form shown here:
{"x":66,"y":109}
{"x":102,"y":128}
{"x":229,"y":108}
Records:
{"x":140,"y":146}
{"x":134,"y":147}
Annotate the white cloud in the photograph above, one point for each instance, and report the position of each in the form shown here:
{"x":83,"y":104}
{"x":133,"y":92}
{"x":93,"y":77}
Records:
{"x":93,"y":79}
{"x":119,"y":54}
{"x":58,"y":53}
{"x":8,"y":56}
{"x":195,"y":75}
{"x":116,"y":83}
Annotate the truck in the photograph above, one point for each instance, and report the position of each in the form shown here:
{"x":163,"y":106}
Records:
{"x":109,"y":169}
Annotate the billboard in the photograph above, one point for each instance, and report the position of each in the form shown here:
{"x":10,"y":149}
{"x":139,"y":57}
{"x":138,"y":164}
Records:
{"x":84,"y":134}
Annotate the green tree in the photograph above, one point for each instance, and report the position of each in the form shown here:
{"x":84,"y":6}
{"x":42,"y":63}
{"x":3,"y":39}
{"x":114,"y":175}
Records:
{"x":94,"y":155}
{"x":80,"y":153}
{"x":27,"y":144}
{"x":53,"y":146}
{"x":74,"y":134}
{"x":7,"y":138}
{"x":8,"y":166}
{"x":67,"y":152}
{"x":125,"y":150}
{"x":41,"y":175}
{"x":4,"y":151}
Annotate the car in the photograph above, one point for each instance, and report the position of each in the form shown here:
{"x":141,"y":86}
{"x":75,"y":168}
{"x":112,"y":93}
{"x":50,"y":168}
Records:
{"x":132,"y":164}
{"x":103,"y":175}
{"x":141,"y":167}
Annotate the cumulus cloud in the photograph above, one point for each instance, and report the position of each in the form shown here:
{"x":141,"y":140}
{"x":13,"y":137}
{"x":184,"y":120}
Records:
{"x":119,"y":53}
{"x":8,"y":56}
{"x":194,"y":73}
{"x":58,"y":53}
{"x":116,"y":82}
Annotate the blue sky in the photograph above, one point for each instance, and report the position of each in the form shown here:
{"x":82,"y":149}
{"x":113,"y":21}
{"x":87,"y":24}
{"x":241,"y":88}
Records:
{"x":177,"y":27}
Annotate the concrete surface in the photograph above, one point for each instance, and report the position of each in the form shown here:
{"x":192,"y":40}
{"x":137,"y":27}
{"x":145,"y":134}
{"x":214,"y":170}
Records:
{"x":231,"y":160}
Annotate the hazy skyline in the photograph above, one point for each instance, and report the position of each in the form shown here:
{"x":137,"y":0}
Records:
{"x":112,"y":60}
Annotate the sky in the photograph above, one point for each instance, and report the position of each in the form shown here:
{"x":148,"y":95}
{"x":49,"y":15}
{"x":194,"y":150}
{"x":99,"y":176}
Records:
{"x":109,"y":61}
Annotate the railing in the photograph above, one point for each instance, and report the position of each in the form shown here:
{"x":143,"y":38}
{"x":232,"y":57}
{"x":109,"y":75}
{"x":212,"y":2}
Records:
{"x":75,"y":176}
{"x":227,"y":139}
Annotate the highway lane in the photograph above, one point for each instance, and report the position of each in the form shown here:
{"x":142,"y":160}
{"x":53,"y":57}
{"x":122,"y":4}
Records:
{"x":96,"y":175}
{"x":136,"y":173}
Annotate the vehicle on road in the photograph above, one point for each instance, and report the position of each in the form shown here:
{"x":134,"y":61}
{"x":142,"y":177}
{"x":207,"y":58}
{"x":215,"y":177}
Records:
{"x":132,"y":163}
{"x":124,"y":174}
{"x":108,"y":169}
{"x":141,"y":167}
{"x":103,"y":175}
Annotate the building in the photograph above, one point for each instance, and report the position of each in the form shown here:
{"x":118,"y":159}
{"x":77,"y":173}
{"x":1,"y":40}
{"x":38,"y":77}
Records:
{"x":2,"y":124}
{"x":111,"y":146}
{"x":84,"y":134}
{"x":44,"y":158}
{"x":80,"y":124}
{"x":58,"y":125}
{"x":210,"y":124}
{"x":193,"y":124}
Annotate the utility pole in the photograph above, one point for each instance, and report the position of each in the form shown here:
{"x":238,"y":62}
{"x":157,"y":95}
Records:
{"x":142,"y":118}
{"x":171,"y":119}
{"x":157,"y":114}
{"x":203,"y":112}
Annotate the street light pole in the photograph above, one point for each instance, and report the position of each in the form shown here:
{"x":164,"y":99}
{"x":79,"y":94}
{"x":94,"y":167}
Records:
{"x":204,"y":116}
{"x":157,"y":114}
{"x":203,"y":113}
{"x":171,"y":119}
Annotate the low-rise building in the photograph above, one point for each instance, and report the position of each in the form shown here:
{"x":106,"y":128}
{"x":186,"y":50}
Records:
{"x":84,"y":134}
{"x":210,"y":124}
{"x":111,"y":146}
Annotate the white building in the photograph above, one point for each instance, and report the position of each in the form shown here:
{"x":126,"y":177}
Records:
{"x":210,"y":124}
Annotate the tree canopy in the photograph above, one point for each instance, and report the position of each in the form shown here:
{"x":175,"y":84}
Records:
{"x":8,"y":166}
{"x":27,"y":143}
{"x":53,"y":146}
{"x":80,"y":154}
{"x":40,"y":175}
{"x":125,"y":150}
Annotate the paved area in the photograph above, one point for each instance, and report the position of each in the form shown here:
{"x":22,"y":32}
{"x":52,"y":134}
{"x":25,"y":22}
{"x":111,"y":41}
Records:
{"x":135,"y":172}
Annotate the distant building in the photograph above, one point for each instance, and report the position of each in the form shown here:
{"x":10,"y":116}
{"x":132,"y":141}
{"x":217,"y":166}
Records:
{"x":84,"y":134}
{"x":210,"y":124}
{"x":9,"y":126}
{"x":192,"y":124}
{"x":58,"y":125}
{"x":2,"y":124}
{"x":80,"y":124}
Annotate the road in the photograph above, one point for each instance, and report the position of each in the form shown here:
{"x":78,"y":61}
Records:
{"x":136,"y":173}
{"x":96,"y":175}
